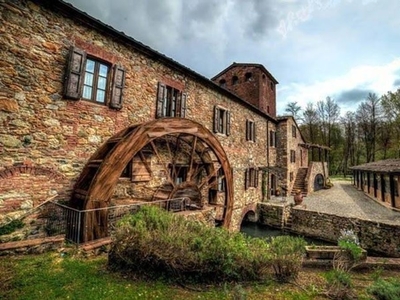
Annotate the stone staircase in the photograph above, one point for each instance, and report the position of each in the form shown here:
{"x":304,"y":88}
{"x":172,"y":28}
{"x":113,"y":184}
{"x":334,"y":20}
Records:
{"x":299,"y":183}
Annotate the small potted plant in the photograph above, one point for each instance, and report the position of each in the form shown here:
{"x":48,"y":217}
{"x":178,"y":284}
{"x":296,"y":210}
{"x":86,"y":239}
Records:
{"x":298,"y":197}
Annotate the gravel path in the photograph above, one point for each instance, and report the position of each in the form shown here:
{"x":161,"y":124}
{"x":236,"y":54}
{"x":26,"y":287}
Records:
{"x":345,"y":200}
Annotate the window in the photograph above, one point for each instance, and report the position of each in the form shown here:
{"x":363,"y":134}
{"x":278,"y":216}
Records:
{"x":221,"y":181}
{"x":251,"y":178}
{"x":292,"y":156}
{"x":271,"y":84}
{"x":95,"y":82}
{"x":222,"y":83}
{"x":250,"y":131}
{"x":248,"y":77}
{"x":89,"y":78}
{"x":235,"y":80}
{"x":291,"y":176}
{"x":221,"y":120}
{"x":170,"y":102}
{"x":293,"y":131}
{"x":272,"y":138}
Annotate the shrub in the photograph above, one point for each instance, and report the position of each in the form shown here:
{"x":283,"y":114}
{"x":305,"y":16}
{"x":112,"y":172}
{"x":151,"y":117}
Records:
{"x":156,"y":243}
{"x":385,"y":289}
{"x":287,"y":256}
{"x":351,"y":253}
{"x":11,"y":227}
{"x":339,"y":285}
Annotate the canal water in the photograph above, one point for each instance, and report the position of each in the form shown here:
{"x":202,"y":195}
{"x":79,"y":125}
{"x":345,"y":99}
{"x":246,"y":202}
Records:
{"x":264,"y":231}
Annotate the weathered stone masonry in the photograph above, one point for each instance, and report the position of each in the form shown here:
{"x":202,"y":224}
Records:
{"x":43,"y":130}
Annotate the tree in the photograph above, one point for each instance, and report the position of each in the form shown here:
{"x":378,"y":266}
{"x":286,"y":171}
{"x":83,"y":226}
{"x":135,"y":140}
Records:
{"x":328,"y":112}
{"x":391,"y":108}
{"x":293,"y":109}
{"x":368,"y":114}
{"x":310,"y":120}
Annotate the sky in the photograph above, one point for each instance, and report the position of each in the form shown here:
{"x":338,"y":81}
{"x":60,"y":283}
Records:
{"x":344,"y":49}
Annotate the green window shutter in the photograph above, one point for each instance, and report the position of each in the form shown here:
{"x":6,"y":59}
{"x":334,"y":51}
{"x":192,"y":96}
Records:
{"x":75,"y":74}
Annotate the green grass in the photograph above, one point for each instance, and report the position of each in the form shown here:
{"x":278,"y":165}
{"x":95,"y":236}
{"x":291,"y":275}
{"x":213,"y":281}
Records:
{"x":50,"y":276}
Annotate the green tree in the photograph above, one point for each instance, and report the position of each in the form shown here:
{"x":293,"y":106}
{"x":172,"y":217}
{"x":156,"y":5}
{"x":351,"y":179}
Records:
{"x":293,"y":109}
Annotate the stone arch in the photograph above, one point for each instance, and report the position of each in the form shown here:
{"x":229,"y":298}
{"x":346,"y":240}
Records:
{"x":100,"y":176}
{"x":318,"y":182}
{"x":249,"y":213}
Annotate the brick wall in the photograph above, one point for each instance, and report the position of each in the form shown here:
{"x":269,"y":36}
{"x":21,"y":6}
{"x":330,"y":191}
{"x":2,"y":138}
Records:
{"x":253,"y":85}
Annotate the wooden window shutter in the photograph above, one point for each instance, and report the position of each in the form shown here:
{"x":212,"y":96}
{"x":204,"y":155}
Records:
{"x":228,"y":122}
{"x":117,"y":87}
{"x":256,"y":178}
{"x":254,"y":131}
{"x":183,"y":105}
{"x":216,"y":116}
{"x":247,"y":130}
{"x":160,"y":100}
{"x":75,"y":74}
{"x":246,"y":179}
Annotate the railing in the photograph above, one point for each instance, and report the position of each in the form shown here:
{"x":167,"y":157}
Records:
{"x":62,"y":219}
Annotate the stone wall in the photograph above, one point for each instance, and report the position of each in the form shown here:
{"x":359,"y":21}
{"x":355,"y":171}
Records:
{"x":378,"y":237}
{"x":40,"y":126}
{"x":314,"y":169}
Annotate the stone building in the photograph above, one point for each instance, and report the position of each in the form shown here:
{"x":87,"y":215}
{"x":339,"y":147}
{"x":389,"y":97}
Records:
{"x":92,"y":118}
{"x":380,"y":180}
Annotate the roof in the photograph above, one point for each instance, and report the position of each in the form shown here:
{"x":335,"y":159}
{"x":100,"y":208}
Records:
{"x":381,"y":166}
{"x":234,"y":65}
{"x":73,"y":13}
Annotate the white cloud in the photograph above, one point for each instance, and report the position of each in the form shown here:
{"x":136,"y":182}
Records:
{"x":376,"y":78}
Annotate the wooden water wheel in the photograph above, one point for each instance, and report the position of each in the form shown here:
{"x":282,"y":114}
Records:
{"x":189,"y":156}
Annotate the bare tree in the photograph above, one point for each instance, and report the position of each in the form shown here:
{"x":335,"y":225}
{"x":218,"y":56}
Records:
{"x":310,"y":121}
{"x":368,"y":114}
{"x":328,"y":112}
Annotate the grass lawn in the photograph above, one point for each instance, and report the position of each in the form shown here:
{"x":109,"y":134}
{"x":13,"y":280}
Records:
{"x":51,"y":276}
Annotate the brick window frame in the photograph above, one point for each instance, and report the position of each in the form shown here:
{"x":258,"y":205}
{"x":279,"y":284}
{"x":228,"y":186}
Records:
{"x":171,"y":102}
{"x":111,"y":79}
{"x":251,"y":178}
{"x":222,"y":120}
{"x":250,"y":130}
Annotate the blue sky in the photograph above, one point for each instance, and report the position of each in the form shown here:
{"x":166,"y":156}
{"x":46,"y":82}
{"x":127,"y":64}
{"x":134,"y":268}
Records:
{"x":314,"y":48}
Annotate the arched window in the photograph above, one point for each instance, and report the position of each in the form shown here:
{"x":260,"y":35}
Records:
{"x":222,"y":83}
{"x":235,"y":80}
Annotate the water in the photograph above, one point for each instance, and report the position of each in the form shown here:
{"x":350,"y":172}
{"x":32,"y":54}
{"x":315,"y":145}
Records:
{"x":265,"y":231}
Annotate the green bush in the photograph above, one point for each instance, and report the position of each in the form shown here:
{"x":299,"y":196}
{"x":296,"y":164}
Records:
{"x":385,"y":289}
{"x":287,"y":256}
{"x":11,"y":227}
{"x":339,"y":285}
{"x":353,"y":249}
{"x":156,"y":243}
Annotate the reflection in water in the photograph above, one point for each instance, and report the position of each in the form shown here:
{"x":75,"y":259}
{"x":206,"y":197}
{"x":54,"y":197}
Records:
{"x":264,"y":231}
